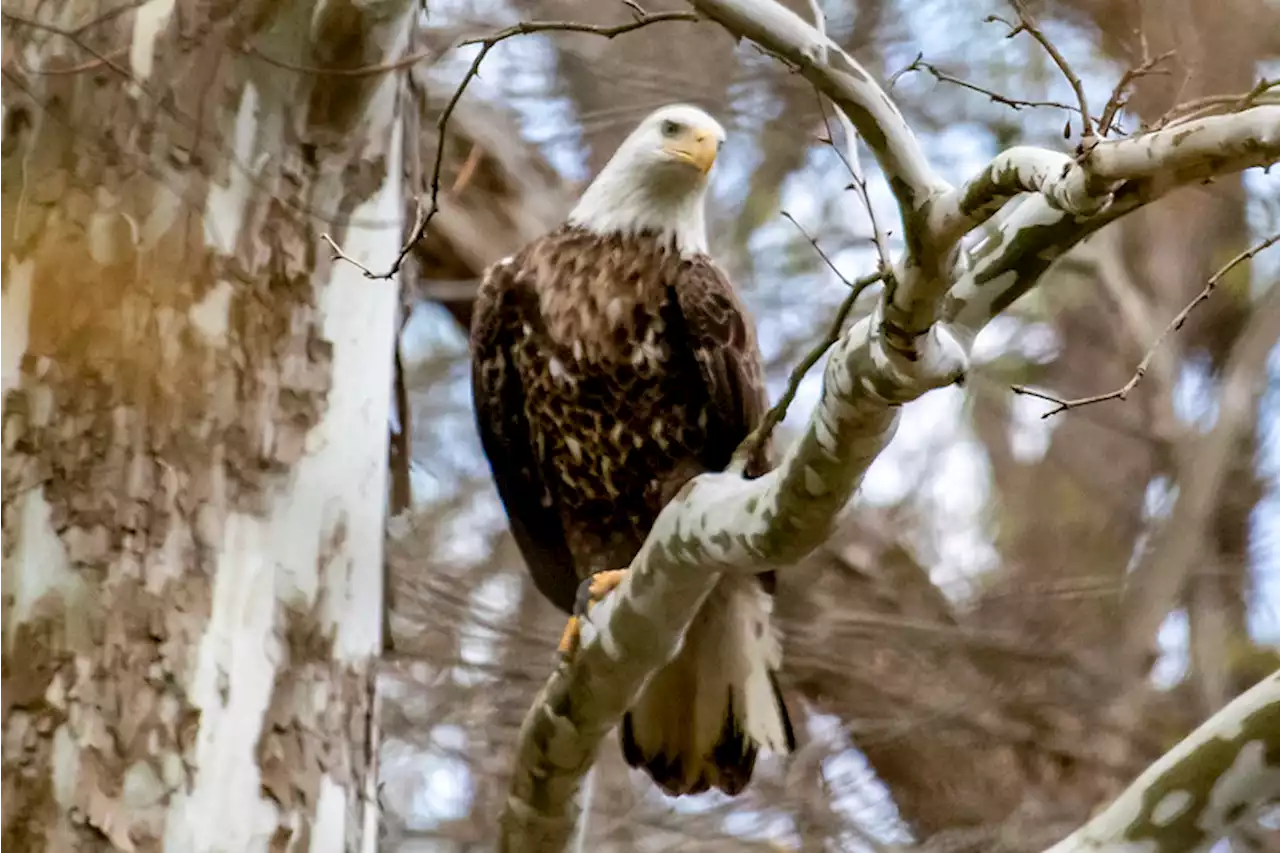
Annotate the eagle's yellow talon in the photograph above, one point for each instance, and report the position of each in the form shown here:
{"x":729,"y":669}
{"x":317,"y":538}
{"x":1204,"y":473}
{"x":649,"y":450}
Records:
{"x":590,"y":592}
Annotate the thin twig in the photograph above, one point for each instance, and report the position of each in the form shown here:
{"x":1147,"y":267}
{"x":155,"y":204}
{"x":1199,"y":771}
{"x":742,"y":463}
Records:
{"x":78,"y":68}
{"x":487,"y":43}
{"x":859,"y":185}
{"x":1122,"y":392}
{"x":359,"y":71}
{"x":1119,"y":95}
{"x":1200,"y":107}
{"x":918,"y":64}
{"x":751,"y":446}
{"x":825,"y":258}
{"x":850,"y":160}
{"x":1028,"y":24}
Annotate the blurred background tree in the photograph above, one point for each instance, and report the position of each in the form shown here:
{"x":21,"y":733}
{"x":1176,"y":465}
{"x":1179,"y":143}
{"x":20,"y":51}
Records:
{"x":954,"y":650}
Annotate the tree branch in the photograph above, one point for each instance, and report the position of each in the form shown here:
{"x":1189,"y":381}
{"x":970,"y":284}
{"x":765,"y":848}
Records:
{"x":1028,"y":24}
{"x":1159,"y":579}
{"x":1033,"y":233}
{"x":919,"y":64}
{"x":1218,"y":775}
{"x":1174,"y":325}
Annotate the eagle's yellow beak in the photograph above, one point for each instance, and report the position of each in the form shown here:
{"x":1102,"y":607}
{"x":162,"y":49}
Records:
{"x":695,"y":146}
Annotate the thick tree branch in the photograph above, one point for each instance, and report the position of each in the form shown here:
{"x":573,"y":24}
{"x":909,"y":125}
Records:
{"x":1033,"y":232}
{"x":1216,"y":777}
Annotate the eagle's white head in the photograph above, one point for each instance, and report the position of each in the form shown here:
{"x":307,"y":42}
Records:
{"x":656,"y":180}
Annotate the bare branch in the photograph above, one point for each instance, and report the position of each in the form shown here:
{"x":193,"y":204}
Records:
{"x":850,"y":159}
{"x":778,"y":413}
{"x":1232,"y":142}
{"x":1175,"y":324}
{"x":1034,"y":231}
{"x":487,"y":43}
{"x":1199,"y":107}
{"x":918,"y":64}
{"x":1120,"y":94}
{"x":1013,"y":172}
{"x":1156,"y":583}
{"x":1029,"y":25}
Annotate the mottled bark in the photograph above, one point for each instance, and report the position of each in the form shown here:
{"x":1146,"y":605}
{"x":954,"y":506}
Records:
{"x":195,"y":423}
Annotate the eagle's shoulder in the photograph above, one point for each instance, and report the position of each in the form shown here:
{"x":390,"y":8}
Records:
{"x":709,"y":300}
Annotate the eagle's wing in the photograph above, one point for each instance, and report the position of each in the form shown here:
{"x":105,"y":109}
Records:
{"x":498,"y":394}
{"x":700,"y":720}
{"x":723,"y":340}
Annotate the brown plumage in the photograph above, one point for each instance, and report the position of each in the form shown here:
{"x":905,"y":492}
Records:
{"x":609,"y":369}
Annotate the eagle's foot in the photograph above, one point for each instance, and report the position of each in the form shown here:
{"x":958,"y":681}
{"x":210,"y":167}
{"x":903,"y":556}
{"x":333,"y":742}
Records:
{"x":591,"y":591}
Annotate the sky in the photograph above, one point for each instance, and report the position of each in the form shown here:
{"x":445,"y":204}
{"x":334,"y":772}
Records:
{"x":934,"y":445}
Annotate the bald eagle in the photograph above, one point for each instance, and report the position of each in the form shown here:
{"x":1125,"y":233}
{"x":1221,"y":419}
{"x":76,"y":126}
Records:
{"x":611,"y":363}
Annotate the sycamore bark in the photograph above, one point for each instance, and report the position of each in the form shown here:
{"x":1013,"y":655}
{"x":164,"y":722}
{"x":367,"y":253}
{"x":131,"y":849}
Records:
{"x":195,"y":422}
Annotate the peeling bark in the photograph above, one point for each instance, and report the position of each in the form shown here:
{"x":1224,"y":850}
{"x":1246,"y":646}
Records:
{"x":195,"y":419}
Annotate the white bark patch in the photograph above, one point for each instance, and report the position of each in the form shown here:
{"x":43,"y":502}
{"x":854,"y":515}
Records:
{"x":343,"y":479}
{"x":232,"y":686}
{"x":813,"y":483}
{"x":149,"y":20}
{"x":1248,"y":778}
{"x":15,"y":317}
{"x":211,"y":315}
{"x":39,"y":565}
{"x":165,"y":209}
{"x":142,"y":787}
{"x":225,"y":206}
{"x":1170,"y":807}
{"x":328,"y":834}
{"x":66,"y":766}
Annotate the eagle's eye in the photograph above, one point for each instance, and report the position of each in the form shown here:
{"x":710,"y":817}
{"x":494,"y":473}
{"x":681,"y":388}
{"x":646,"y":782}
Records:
{"x":670,"y":128}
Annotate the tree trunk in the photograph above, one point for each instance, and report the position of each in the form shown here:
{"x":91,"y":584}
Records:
{"x":195,"y":420}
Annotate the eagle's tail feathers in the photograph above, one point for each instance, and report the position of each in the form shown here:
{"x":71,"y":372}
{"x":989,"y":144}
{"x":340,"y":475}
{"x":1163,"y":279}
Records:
{"x":701,"y":720}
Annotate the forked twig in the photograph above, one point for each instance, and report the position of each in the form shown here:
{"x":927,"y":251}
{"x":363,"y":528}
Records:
{"x":1028,"y":24}
{"x":918,"y":64}
{"x":1122,"y":392}
{"x":1119,"y":95}
{"x":487,"y":43}
{"x":778,"y":413}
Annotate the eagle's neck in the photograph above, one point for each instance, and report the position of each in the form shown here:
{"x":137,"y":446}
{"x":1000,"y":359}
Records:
{"x":629,"y":201}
